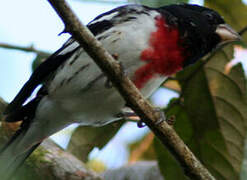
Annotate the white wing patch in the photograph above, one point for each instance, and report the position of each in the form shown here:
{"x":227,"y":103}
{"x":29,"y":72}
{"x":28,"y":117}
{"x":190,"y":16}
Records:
{"x":103,"y":18}
{"x":70,"y":48}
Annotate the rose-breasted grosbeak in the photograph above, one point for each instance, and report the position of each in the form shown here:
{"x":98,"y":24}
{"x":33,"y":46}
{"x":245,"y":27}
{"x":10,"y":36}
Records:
{"x":151,"y":44}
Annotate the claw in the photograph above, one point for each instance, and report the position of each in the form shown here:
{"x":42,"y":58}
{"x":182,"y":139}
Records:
{"x":162,"y":116}
{"x":170,"y":120}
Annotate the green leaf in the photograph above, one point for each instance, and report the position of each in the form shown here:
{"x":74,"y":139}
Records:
{"x":211,"y":116}
{"x":85,"y":138}
{"x":169,"y":167}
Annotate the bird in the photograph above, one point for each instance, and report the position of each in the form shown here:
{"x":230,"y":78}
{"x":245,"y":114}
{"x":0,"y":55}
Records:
{"x":150,"y":43}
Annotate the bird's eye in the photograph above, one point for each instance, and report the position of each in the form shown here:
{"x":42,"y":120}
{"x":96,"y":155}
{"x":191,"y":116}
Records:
{"x":209,"y":16}
{"x":213,"y":18}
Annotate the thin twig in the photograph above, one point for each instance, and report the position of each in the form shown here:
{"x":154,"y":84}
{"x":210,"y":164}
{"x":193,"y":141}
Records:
{"x":130,"y":93}
{"x":23,"y":48}
{"x":242,"y":31}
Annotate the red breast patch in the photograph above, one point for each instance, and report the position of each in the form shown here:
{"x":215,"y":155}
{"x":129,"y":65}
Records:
{"x":164,"y":56}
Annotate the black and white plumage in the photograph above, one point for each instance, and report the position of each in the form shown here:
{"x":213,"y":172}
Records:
{"x":75,"y":90}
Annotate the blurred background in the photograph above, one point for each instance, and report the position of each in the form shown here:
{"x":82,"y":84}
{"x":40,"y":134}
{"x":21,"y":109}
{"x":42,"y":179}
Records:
{"x":33,"y":23}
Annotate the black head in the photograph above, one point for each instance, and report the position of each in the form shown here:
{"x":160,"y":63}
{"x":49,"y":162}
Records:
{"x":201,"y":29}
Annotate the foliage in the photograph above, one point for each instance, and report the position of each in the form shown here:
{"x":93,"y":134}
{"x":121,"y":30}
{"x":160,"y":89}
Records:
{"x":85,"y":138}
{"x":210,"y":116}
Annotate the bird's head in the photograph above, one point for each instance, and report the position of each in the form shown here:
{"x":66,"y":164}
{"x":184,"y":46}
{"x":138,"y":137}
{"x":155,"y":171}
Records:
{"x":184,"y":33}
{"x":201,"y":29}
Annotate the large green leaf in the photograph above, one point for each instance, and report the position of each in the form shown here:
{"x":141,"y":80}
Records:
{"x":85,"y":138}
{"x":211,"y":117}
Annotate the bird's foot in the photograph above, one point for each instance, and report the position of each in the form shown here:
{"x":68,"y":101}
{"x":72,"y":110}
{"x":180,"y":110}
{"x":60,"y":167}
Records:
{"x":162,"y":115}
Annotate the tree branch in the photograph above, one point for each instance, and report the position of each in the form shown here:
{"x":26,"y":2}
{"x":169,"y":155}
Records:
{"x":130,"y":93}
{"x":137,"y":171}
{"x":23,"y":48}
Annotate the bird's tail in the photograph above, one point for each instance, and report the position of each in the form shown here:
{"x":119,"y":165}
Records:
{"x":12,"y":155}
{"x":20,"y":146}
{"x":35,"y":127}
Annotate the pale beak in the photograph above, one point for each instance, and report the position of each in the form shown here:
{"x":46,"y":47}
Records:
{"x":227,"y":34}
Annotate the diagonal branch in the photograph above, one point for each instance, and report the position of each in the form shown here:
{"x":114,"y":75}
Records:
{"x":130,"y":93}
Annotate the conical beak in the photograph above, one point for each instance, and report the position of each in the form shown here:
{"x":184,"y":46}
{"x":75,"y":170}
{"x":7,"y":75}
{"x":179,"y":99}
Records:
{"x":227,"y":34}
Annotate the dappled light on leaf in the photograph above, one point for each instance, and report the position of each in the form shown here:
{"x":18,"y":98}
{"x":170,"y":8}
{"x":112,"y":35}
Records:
{"x":211,"y":116}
